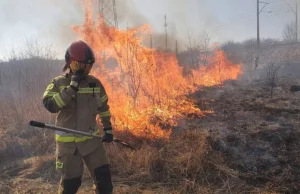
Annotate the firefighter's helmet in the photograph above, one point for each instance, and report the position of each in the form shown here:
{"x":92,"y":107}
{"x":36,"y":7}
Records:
{"x":79,"y":56}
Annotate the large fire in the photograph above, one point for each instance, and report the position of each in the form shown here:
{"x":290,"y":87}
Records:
{"x":146,"y":88}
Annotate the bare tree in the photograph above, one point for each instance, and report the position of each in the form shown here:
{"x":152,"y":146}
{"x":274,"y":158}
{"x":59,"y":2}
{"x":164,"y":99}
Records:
{"x":290,"y":32}
{"x":198,"y":51}
{"x":205,"y":49}
{"x":24,"y":74}
{"x":272,"y":75}
{"x":194,"y":51}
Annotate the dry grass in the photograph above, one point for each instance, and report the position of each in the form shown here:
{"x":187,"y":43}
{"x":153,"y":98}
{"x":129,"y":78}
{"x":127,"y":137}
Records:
{"x":182,"y":165}
{"x":185,"y":164}
{"x":192,"y":161}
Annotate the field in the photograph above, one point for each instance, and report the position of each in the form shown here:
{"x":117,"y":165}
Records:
{"x":247,"y":142}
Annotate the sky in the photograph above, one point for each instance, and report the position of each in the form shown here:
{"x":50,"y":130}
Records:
{"x":50,"y":21}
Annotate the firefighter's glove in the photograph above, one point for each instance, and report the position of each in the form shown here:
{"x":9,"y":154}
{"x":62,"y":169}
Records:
{"x":76,"y":79}
{"x":108,"y":135}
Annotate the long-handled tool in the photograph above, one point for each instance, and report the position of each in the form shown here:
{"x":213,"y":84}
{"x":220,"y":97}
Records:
{"x":47,"y":126}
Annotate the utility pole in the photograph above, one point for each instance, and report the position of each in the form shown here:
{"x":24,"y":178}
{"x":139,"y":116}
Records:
{"x":176,"y":43}
{"x":296,"y":20}
{"x":258,"y":11}
{"x":166,"y":31}
{"x":127,"y":46}
{"x":258,"y":40}
{"x":151,"y":44}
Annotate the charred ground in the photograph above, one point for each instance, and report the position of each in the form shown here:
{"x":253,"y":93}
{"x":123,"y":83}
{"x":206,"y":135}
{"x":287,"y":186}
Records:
{"x":258,"y":135}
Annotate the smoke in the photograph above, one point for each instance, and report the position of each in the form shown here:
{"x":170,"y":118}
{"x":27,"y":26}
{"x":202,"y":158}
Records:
{"x":49,"y":21}
{"x":150,"y":13}
{"x":52,"y":20}
{"x":128,"y":15}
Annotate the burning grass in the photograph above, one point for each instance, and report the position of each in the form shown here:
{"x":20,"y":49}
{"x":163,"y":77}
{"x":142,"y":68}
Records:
{"x":146,"y":88}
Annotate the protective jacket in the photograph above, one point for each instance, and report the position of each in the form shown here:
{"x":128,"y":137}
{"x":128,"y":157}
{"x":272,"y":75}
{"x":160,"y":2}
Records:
{"x":78,"y":111}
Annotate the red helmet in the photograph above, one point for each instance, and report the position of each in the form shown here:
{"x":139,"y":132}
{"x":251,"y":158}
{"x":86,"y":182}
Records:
{"x":80,"y":52}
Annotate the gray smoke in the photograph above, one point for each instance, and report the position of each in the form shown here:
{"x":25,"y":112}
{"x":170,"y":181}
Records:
{"x":51,"y":20}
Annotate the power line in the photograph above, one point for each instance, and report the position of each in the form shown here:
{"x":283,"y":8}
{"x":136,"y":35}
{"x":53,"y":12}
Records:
{"x":236,"y":20}
{"x":296,"y":20}
{"x":263,"y":14}
{"x":266,"y":46}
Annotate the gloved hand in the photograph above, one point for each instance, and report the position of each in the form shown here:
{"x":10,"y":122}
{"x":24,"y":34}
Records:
{"x":76,"y":79}
{"x":108,"y":135}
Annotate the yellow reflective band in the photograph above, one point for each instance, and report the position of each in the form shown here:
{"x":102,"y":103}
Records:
{"x":68,"y":139}
{"x":50,"y":87}
{"x":49,"y":94}
{"x":104,"y":114}
{"x":59,"y":164}
{"x":59,"y":101}
{"x":64,"y":139}
{"x":89,"y":91}
{"x":104,"y":98}
{"x":84,"y":90}
{"x":62,"y":87}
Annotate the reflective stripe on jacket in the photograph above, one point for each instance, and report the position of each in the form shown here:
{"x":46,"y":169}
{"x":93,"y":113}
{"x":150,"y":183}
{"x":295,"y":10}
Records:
{"x":70,"y":137}
{"x":77,"y":110}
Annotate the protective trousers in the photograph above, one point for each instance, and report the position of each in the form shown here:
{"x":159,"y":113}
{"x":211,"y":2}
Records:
{"x":71,"y":168}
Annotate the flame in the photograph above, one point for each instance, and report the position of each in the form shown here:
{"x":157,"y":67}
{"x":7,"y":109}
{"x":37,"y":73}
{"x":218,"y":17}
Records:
{"x":219,"y":70}
{"x":146,"y":88}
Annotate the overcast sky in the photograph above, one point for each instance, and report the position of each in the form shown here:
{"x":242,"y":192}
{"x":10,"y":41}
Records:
{"x":50,"y":21}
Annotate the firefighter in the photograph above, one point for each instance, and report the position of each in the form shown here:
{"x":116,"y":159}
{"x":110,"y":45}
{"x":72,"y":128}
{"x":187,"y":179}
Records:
{"x":79,"y":99}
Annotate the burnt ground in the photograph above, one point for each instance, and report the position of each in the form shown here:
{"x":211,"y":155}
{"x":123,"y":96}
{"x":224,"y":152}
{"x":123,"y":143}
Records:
{"x":259,"y":135}
{"x":255,"y":136}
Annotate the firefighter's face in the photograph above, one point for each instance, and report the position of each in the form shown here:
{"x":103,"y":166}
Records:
{"x":75,"y":66}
